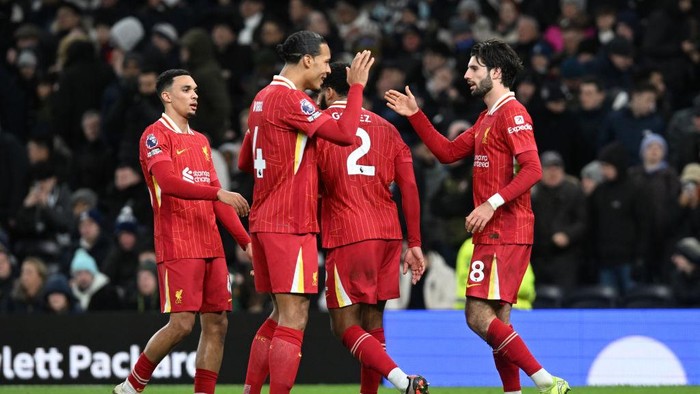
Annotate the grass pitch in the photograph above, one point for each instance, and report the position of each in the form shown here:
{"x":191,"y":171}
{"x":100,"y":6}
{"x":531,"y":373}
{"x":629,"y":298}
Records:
{"x":340,"y":389}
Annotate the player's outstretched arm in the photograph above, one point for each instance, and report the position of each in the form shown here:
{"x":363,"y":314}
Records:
{"x":444,"y":150}
{"x":343,"y":131}
{"x":235,"y":200}
{"x":228,"y":218}
{"x":402,"y":104}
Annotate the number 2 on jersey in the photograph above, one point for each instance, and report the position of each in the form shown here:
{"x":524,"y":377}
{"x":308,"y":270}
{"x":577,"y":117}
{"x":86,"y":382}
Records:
{"x":356,"y":155}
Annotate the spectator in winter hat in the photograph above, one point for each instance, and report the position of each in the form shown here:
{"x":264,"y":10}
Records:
{"x":127,"y":33}
{"x":58,"y":296}
{"x":90,"y":286}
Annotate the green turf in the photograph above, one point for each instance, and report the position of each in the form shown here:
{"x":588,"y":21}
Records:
{"x":340,"y":389}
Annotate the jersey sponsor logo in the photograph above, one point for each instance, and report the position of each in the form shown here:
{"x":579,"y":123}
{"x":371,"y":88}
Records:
{"x":153,"y":152}
{"x":519,"y":119}
{"x":307,"y":108}
{"x":481,"y":161}
{"x":257,"y":106}
{"x":522,"y":127}
{"x":180,"y":151}
{"x":191,"y":176}
{"x":151,"y":141}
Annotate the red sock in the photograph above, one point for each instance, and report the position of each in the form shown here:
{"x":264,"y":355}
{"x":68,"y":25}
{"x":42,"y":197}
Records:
{"x":258,"y":366}
{"x":285,"y":355}
{"x":141,"y":373}
{"x":369,"y":378}
{"x":505,"y":341}
{"x":368,"y":350}
{"x":205,"y":381}
{"x":509,"y":373}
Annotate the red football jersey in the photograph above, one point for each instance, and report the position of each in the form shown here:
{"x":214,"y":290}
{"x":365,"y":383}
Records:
{"x":498,"y":136}
{"x":281,"y":122}
{"x":356,"y":202}
{"x":183,"y":228}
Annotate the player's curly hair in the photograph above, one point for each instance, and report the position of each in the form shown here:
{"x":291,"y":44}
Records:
{"x":165,"y":79}
{"x":338,"y":78}
{"x":301,"y":43}
{"x":495,"y":53}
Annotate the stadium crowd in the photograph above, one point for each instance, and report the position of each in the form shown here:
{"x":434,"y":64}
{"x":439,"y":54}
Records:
{"x":612,"y":87}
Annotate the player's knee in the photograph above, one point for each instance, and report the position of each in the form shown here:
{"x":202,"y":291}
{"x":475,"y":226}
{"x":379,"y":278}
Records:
{"x":476,"y":323}
{"x":181,"y":327}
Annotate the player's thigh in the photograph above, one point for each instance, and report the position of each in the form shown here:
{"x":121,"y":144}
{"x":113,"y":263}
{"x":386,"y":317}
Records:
{"x":352,"y":273}
{"x":389,"y":271}
{"x":216,"y":295}
{"x":496,"y":271}
{"x":181,"y":285}
{"x":290,"y":263}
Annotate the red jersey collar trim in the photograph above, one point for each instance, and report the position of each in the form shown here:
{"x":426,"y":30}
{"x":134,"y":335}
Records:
{"x":501,"y":100}
{"x":169,"y":123}
{"x":279,"y":80}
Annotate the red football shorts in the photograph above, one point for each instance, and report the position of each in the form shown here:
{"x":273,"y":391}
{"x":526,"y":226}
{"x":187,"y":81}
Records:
{"x":363,"y":272}
{"x":496,"y":271}
{"x":285,"y":263}
{"x":194,"y":285}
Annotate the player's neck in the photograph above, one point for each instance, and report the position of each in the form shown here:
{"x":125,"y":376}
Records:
{"x":179,"y":120}
{"x":295,"y":75}
{"x":491,"y":98}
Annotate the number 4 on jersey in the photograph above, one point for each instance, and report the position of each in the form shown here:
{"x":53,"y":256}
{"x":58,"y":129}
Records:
{"x":356,"y":155}
{"x":259,"y":162}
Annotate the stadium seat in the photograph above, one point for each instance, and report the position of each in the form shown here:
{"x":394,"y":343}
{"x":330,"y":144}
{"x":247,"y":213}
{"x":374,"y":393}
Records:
{"x":649,"y":296}
{"x":548,"y":297}
{"x":592,"y":297}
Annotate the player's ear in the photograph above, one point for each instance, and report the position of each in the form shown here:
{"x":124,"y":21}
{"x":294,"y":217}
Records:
{"x":165,"y":97}
{"x":307,"y":60}
{"x":497,"y":73}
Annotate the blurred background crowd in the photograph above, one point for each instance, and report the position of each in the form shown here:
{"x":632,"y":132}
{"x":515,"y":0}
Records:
{"x":612,"y":86}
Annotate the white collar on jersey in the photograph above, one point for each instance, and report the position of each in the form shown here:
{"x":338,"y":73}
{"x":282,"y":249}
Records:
{"x":501,"y":100}
{"x":169,"y":123}
{"x":338,"y":104}
{"x":279,"y":80}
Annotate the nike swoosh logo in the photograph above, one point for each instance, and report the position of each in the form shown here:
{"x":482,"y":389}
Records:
{"x":181,"y":151}
{"x":473,"y":284}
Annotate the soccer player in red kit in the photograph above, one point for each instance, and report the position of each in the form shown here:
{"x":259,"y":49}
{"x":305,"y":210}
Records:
{"x":280,"y":150}
{"x":502,"y":222}
{"x":187,"y":200}
{"x":360,"y":230}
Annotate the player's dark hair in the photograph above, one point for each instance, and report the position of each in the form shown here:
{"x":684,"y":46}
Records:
{"x":495,"y":53}
{"x":301,"y":43}
{"x":165,"y":79}
{"x":338,"y":79}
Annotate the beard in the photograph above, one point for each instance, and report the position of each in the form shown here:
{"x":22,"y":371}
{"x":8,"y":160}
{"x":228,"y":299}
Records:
{"x":483,"y":87}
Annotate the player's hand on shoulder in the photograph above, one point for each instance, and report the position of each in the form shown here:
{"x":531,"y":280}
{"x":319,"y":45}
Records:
{"x":414,"y":260}
{"x":402,"y":104}
{"x":358,"y":72}
{"x":235,"y":200}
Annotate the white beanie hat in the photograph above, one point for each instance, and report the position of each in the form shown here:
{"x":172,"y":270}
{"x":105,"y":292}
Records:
{"x":126,"y":33}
